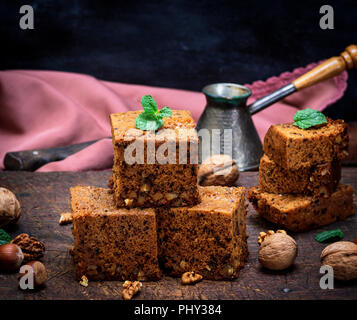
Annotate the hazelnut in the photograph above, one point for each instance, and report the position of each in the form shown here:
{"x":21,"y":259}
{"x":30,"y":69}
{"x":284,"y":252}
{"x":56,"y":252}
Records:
{"x":10,"y":209}
{"x":342,"y":257}
{"x":11,"y":257}
{"x":218,"y":170}
{"x":277,"y":251}
{"x":39,"y":273}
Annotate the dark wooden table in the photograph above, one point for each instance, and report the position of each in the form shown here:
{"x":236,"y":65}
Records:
{"x":44,"y":196}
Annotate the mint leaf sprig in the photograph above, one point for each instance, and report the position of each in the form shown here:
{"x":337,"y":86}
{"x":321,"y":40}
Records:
{"x":4,"y":237}
{"x":329,"y":235}
{"x":151,"y":118}
{"x":308,"y":118}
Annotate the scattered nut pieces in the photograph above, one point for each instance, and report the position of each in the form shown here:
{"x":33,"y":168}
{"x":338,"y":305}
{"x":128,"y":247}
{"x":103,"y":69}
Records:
{"x":84,"y":281}
{"x":218,"y":170}
{"x":264,"y":235}
{"x":66,"y":218}
{"x":32,"y":248}
{"x":190,"y":277}
{"x":10,"y":209}
{"x":277,"y":251}
{"x":130,"y":289}
{"x":342,"y":257}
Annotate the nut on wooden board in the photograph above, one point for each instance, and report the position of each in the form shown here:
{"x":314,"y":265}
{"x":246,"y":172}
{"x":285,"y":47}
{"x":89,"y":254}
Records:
{"x":277,"y":251}
{"x":10,"y":209}
{"x":190,"y":277}
{"x":342,"y":257}
{"x":11,"y":257}
{"x":130,"y":289}
{"x":32,"y":248}
{"x":218,"y":170}
{"x":39,"y":273}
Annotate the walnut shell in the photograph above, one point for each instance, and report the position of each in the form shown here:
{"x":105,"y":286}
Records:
{"x":32,"y":248}
{"x":218,"y":170}
{"x":10,"y":209}
{"x":342,"y":257}
{"x":278,"y":251}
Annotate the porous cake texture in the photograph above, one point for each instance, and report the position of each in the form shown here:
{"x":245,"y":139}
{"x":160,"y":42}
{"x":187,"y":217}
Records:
{"x":209,"y":238}
{"x":164,"y":170}
{"x":319,"y":180}
{"x":293,"y":148}
{"x":112,"y":243}
{"x":300,"y":212}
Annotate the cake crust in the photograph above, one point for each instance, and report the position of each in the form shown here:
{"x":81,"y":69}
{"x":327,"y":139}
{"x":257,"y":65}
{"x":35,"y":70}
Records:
{"x":320,"y":180}
{"x":209,"y":238}
{"x":112,"y":243}
{"x":293,"y":148}
{"x":151,"y":182}
{"x":302,"y":213}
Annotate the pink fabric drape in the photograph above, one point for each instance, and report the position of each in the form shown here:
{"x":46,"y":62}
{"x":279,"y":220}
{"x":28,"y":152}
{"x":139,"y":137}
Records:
{"x":43,"y":109}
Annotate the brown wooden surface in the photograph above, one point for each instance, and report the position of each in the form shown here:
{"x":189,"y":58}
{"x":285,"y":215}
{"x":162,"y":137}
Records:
{"x":44,"y":195}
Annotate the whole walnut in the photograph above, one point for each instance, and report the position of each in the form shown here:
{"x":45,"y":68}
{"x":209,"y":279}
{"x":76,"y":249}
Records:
{"x":10,"y":209}
{"x":342,"y":257}
{"x":277,"y":252}
{"x":218,"y":170}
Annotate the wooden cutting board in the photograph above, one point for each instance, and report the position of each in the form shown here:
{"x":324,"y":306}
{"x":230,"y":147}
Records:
{"x":44,"y":196}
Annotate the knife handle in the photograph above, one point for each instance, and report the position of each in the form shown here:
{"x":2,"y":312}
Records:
{"x":31,"y":160}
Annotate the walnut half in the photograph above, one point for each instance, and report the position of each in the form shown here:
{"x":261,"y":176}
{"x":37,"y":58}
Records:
{"x":130,"y":289}
{"x":218,"y":170}
{"x":32,"y":248}
{"x":190,"y":277}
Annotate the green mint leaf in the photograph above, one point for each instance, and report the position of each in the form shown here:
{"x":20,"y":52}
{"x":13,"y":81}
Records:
{"x":151,"y":118}
{"x":164,"y":112}
{"x":148,"y":121}
{"x":149,"y":104}
{"x":4,"y":237}
{"x":308,"y":118}
{"x":329,"y":235}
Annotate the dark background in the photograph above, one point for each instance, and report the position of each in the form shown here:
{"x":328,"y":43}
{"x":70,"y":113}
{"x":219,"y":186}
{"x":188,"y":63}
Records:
{"x":179,"y":44}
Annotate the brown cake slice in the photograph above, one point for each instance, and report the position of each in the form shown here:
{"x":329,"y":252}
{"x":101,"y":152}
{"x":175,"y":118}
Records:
{"x":148,"y":181}
{"x":320,"y":180}
{"x":302,"y":213}
{"x":112,"y":243}
{"x":293,"y":148}
{"x":209,"y":238}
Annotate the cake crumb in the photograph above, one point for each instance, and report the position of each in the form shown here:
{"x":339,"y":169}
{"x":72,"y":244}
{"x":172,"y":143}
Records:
{"x":66,"y":218}
{"x":84,"y":281}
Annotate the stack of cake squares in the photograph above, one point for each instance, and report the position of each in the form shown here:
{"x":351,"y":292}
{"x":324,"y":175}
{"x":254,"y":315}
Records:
{"x":154,"y":218}
{"x":299,"y":176}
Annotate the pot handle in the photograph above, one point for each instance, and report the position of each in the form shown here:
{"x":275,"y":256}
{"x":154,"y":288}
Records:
{"x":327,"y":69}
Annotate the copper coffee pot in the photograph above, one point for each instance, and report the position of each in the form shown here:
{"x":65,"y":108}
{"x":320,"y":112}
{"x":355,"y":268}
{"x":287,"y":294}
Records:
{"x":226,"y":107}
